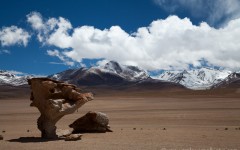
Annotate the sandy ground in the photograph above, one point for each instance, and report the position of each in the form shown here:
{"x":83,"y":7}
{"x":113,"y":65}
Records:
{"x":137,"y":122}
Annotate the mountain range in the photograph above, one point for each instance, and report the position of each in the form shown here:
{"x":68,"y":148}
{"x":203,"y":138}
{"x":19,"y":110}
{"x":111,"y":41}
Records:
{"x":115,"y":75}
{"x":203,"y":78}
{"x":12,"y":79}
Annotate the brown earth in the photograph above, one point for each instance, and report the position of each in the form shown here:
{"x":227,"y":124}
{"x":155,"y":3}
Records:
{"x":139,"y":120}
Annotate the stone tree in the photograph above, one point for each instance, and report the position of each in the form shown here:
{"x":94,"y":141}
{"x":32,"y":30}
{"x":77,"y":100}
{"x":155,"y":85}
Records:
{"x":54,"y":99}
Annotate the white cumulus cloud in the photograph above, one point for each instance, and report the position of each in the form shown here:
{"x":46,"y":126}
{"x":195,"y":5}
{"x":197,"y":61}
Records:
{"x":58,"y":28}
{"x":171,"y":43}
{"x":216,"y":12}
{"x":56,"y":53}
{"x":13,"y":35}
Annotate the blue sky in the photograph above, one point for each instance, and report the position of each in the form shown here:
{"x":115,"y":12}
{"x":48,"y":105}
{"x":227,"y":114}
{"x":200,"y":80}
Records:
{"x":45,"y":37}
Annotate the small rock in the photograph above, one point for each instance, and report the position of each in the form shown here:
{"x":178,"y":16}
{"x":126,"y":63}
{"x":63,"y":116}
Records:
{"x":64,"y":133}
{"x":28,"y":130}
{"x":226,"y":128}
{"x":164,"y":128}
{"x":73,"y":137}
{"x":1,"y":137}
{"x":3,"y":131}
{"x":134,"y":128}
{"x":216,"y":129}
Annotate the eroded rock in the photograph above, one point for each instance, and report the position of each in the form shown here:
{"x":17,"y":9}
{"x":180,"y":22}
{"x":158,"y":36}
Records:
{"x":91,"y":122}
{"x":54,"y":99}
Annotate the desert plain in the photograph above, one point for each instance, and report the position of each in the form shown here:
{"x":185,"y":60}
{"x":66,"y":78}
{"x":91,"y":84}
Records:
{"x":141,"y":120}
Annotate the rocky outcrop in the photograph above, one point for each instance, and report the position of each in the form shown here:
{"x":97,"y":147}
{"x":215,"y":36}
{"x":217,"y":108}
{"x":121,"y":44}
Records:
{"x":54,"y":99}
{"x":91,"y":122}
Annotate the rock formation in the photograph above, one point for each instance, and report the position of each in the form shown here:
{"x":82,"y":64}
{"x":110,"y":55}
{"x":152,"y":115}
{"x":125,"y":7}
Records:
{"x":54,"y":99}
{"x":91,"y":122}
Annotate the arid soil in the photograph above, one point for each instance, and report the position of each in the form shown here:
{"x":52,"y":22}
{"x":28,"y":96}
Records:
{"x":140,"y":121}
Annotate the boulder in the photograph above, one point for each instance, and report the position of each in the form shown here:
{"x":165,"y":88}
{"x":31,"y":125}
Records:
{"x":91,"y":122}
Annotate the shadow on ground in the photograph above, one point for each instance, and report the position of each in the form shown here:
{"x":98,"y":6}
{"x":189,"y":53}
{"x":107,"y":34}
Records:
{"x":32,"y":140}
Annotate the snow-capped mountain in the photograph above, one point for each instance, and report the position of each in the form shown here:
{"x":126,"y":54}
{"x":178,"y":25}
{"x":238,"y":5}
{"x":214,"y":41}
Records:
{"x":203,"y":78}
{"x":115,"y":76}
{"x":10,"y":78}
{"x":111,"y":73}
{"x":131,"y":73}
{"x":231,"y":81}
